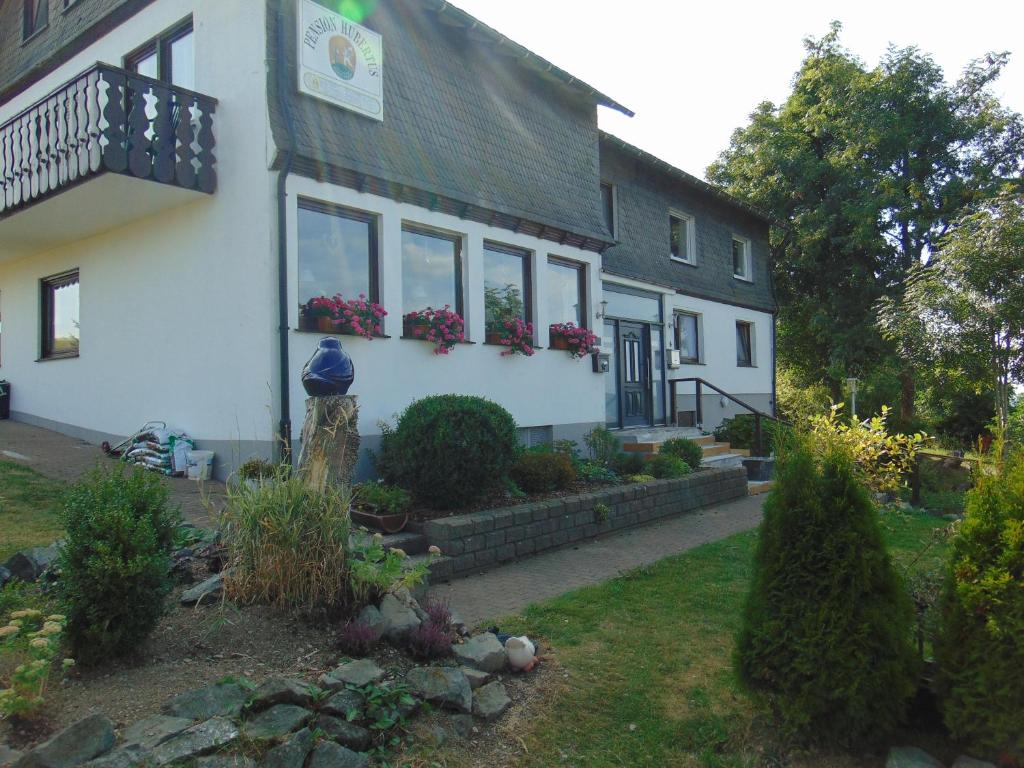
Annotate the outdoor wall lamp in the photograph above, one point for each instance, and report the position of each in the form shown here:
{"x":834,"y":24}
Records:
{"x":603,"y":311}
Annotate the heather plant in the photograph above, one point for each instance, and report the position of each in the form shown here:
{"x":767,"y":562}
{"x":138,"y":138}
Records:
{"x":429,"y":641}
{"x":115,"y":563}
{"x":981,"y":646}
{"x":449,"y":450}
{"x":687,"y":450}
{"x":826,"y":639}
{"x":357,"y":638}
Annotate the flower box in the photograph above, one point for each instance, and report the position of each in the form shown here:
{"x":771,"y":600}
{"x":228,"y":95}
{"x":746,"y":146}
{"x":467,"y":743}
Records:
{"x":369,"y":517}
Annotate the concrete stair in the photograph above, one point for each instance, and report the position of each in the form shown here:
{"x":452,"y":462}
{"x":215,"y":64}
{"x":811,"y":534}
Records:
{"x":649,"y":442}
{"x":757,"y":487}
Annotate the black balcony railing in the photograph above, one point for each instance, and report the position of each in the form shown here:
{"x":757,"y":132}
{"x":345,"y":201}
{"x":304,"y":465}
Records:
{"x":107,"y":119}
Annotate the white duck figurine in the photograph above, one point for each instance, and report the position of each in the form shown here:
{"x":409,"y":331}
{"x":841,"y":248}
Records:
{"x":521,"y":653}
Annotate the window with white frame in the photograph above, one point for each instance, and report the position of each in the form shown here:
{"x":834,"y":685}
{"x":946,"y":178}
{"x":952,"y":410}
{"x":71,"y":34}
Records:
{"x":682,"y":243}
{"x":36,"y":16}
{"x":744,"y":344}
{"x":741,"y":266}
{"x":608,"y":207}
{"x":687,"y":337}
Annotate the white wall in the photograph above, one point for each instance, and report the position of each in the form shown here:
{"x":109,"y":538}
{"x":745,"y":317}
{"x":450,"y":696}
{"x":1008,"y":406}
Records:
{"x":174,"y":307}
{"x":548,"y":388}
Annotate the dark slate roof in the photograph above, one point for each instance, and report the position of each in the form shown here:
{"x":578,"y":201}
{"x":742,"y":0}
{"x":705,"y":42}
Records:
{"x":686,"y":178}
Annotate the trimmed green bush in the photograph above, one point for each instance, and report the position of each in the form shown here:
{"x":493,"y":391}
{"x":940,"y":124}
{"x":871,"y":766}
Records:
{"x":450,"y":450}
{"x":739,"y":432}
{"x":687,"y":450}
{"x":663,"y":465}
{"x":541,"y":472}
{"x":981,"y":645}
{"x":826,"y":639}
{"x":628,"y":463}
{"x":115,"y":563}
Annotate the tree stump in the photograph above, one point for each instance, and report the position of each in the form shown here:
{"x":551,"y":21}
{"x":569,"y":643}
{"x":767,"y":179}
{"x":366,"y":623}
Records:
{"x":330,"y":440}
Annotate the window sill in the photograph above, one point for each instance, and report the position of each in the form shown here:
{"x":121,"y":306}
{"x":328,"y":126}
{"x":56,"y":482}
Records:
{"x":300,"y":329}
{"x":64,"y":356}
{"x":743,"y":279}
{"x":428,"y":341}
{"x":687,"y":262}
{"x":745,"y":365}
{"x":34,"y":35}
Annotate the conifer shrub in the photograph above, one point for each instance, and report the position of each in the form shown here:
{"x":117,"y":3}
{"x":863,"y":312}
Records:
{"x":981,"y":643}
{"x":687,"y":450}
{"x":115,"y":563}
{"x":540,"y":472}
{"x":450,"y":450}
{"x":826,"y":639}
{"x":628,"y":463}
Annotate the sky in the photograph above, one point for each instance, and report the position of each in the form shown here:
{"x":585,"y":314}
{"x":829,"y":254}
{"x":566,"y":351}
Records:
{"x":694,"y":71}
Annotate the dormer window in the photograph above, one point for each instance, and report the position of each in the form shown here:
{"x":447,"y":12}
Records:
{"x":37,"y":16}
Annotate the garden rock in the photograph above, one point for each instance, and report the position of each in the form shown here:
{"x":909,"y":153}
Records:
{"x":476,"y":677}
{"x":371,"y":617}
{"x":398,"y":618}
{"x":331,"y":755}
{"x":444,"y":686}
{"x":155,"y":730}
{"x":280,"y":690}
{"x":217,"y":700}
{"x":7,"y":755}
{"x":279,"y":720}
{"x":358,"y":673}
{"x":29,"y":564}
{"x":209,"y":591}
{"x":130,"y":756}
{"x":291,"y":754}
{"x":225,"y":761}
{"x":462,"y":725}
{"x":343,"y":702}
{"x":345,"y":733}
{"x":910,"y":757}
{"x":76,"y":744}
{"x":405,"y":597}
{"x":484,"y":652}
{"x":490,"y":701}
{"x":5,"y":576}
{"x":196,"y":741}
{"x":961,"y":762}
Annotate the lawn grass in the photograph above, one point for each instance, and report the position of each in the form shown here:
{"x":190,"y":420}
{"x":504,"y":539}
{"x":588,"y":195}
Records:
{"x":28,"y":509}
{"x":648,"y":659}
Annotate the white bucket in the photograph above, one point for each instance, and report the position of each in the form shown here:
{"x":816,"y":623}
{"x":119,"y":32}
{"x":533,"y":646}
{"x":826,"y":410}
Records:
{"x":200,"y":465}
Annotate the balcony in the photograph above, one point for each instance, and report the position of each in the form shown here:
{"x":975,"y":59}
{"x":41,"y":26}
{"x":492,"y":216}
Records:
{"x":107,"y":124}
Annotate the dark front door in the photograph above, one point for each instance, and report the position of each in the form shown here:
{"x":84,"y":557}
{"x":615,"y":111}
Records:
{"x":635,"y":374}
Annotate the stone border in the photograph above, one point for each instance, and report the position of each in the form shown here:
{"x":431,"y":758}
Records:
{"x":484,"y":539}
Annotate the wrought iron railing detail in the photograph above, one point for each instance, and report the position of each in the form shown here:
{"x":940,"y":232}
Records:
{"x":107,"y":119}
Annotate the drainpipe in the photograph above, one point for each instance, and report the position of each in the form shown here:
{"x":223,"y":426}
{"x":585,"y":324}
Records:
{"x":285,"y":423}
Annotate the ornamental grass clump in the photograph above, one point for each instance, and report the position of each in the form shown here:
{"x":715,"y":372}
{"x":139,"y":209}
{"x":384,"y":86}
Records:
{"x":115,"y":562}
{"x":826,"y":639}
{"x":981,"y":643}
{"x":287,"y":543}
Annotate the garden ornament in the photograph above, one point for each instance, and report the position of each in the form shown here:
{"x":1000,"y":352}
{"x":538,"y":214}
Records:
{"x":521,"y":653}
{"x":330,"y":370}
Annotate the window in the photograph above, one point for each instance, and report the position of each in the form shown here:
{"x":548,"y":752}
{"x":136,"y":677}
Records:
{"x":681,"y":238}
{"x":337,"y":254}
{"x":687,"y":337}
{"x":37,"y":16}
{"x":608,"y":206}
{"x":744,"y":344}
{"x":169,"y":57}
{"x":566,"y":292}
{"x":431,"y":270}
{"x":506,"y":285}
{"x":741,"y":259}
{"x":60,"y":330}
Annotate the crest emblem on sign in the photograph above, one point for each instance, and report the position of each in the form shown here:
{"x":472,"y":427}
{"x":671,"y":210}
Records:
{"x":343,"y":57}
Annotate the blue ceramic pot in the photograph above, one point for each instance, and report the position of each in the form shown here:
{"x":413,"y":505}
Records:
{"x":329,"y":371}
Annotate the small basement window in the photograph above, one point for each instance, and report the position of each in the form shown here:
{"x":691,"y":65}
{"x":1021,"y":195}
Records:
{"x":60,"y":327}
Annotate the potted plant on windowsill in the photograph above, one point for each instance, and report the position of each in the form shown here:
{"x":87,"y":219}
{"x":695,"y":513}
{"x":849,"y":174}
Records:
{"x":318,"y":314}
{"x":358,"y":317}
{"x":578,"y":342}
{"x":442,"y":327}
{"x":381,"y":506}
{"x":517,"y":338}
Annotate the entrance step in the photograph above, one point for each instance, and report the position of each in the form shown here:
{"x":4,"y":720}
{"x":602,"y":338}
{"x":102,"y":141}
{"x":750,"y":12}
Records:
{"x":757,"y":487}
{"x":727,"y":459}
{"x":716,"y":449}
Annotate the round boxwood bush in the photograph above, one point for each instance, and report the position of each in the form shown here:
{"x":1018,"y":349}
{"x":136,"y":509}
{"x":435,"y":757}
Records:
{"x":826,"y":639}
{"x":541,"y":472}
{"x":663,"y":465}
{"x":687,"y":450}
{"x":981,"y":645}
{"x":450,"y":450}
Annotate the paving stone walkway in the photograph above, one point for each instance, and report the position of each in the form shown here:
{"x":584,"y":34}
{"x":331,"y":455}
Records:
{"x":67,"y":458}
{"x":508,"y":589}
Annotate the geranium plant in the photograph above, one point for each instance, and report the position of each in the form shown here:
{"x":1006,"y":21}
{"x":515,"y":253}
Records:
{"x":517,"y":337}
{"x":320,"y":306}
{"x":581,"y":341}
{"x":360,"y":316}
{"x":441,"y":326}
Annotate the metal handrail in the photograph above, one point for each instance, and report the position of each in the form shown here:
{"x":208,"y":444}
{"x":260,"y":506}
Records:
{"x":699,"y":384}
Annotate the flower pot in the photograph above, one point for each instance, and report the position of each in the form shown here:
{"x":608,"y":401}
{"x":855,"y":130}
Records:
{"x":492,"y":337}
{"x":410,"y":327}
{"x":325,"y":325}
{"x":386,"y":523}
{"x":559,"y":342}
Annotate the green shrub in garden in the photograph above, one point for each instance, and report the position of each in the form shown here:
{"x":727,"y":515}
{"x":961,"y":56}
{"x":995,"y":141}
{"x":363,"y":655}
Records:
{"x":628,"y":463}
{"x":663,"y":465}
{"x":540,"y":471}
{"x":687,"y":450}
{"x":450,"y":450}
{"x":115,"y":562}
{"x":826,"y":639}
{"x":981,"y":646}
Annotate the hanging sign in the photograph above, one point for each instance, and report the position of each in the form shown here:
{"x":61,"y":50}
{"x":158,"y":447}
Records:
{"x":339,"y":61}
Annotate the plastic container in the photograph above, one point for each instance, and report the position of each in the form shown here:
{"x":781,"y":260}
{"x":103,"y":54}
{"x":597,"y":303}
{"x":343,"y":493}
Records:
{"x":200,"y":465}
{"x":5,"y":400}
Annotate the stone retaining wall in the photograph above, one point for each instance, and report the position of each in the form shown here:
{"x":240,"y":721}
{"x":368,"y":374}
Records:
{"x":484,"y":539}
